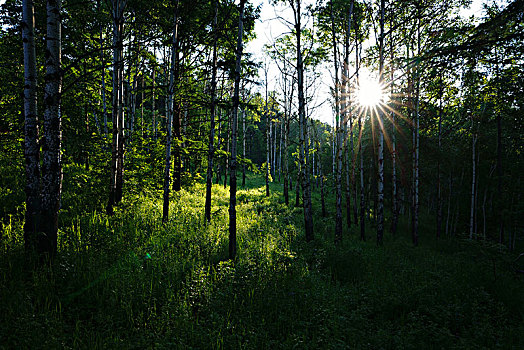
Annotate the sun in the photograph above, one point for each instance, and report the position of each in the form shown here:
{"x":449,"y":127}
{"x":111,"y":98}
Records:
{"x":369,"y":92}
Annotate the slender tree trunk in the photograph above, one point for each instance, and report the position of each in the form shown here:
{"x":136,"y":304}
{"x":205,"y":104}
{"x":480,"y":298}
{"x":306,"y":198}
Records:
{"x":86,"y":115}
{"x":31,"y":134}
{"x":304,"y":148}
{"x":142,"y":106}
{"x":117,"y":154}
{"x":170,"y":113}
{"x":268,"y":134}
{"x":414,"y":233}
{"x":227,"y":144}
{"x":177,"y":111}
{"x":219,"y":142}
{"x":51,"y":165}
{"x":395,"y":206}
{"x":473,"y":178}
{"x":120,"y":114}
{"x":348,"y":119}
{"x":211,"y":150}
{"x":362,"y":199}
{"x":244,"y":116}
{"x":338,"y":126}
{"x":297,"y":188}
{"x":281,"y":136}
{"x":286,"y":166}
{"x":500,"y":206}
{"x":233,"y":162}
{"x":450,"y":195}
{"x":439,"y":189}
{"x":360,"y":130}
{"x":380,"y":190}
{"x":153,"y":88}
{"x":104,"y":103}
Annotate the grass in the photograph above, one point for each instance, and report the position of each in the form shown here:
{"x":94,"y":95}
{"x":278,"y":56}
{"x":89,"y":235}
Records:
{"x":128,"y":281}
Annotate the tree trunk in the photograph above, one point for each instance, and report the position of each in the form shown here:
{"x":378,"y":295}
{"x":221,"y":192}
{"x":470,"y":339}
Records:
{"x":211,"y":150}
{"x":362,"y":199}
{"x":153,"y":88}
{"x":31,"y":146}
{"x":450,"y":195}
{"x":380,"y":189}
{"x":304,"y":147}
{"x":297,"y":188}
{"x":170,"y":113}
{"x":117,"y":154}
{"x":473,"y":178}
{"x":268,"y":143}
{"x":439,"y":189}
{"x":233,"y":162}
{"x":500,"y":206}
{"x":244,"y":146}
{"x":338,"y":126}
{"x":350,"y":176}
{"x":104,"y":103}
{"x":51,"y":165}
{"x":395,"y":206}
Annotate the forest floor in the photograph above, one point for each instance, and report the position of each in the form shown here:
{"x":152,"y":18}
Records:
{"x":128,"y":281}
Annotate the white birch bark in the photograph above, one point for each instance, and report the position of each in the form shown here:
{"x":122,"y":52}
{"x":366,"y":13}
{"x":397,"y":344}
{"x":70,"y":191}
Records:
{"x":31,"y":132}
{"x":51,"y":165}
{"x":380,"y":208}
{"x":170,"y":112}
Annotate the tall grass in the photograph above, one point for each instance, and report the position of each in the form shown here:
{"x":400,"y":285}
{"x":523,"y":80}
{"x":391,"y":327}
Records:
{"x":129,"y":281}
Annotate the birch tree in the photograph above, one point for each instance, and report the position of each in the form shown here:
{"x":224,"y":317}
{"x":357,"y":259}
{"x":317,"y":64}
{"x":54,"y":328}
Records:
{"x":233,"y":162}
{"x":31,"y":132}
{"x":170,"y":112}
{"x":51,"y":165}
{"x":117,"y":154}
{"x":211,"y":151}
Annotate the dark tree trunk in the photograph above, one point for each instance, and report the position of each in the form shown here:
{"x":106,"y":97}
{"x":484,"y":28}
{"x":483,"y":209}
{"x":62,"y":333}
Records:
{"x":31,"y":146}
{"x":233,"y":162}
{"x":170,"y":114}
{"x":51,"y":165}
{"x":117,"y":154}
{"x":211,"y":145}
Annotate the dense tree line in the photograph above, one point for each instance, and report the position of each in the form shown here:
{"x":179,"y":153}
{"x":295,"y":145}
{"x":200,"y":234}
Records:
{"x":165,"y":90}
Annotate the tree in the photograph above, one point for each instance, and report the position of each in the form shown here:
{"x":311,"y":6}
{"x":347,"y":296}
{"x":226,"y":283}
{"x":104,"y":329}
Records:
{"x":31,"y":134}
{"x":51,"y":165}
{"x":117,"y":155}
{"x":233,"y":162}
{"x":170,"y":113}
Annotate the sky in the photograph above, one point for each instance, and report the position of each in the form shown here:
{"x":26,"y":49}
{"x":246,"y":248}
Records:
{"x":268,"y":27}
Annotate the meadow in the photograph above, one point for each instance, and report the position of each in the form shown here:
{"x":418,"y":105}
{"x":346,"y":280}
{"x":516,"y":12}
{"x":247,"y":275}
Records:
{"x":129,"y":281}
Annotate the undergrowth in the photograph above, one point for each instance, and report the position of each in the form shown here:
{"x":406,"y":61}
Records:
{"x":129,"y":281}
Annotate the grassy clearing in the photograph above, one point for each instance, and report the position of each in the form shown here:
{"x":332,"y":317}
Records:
{"x":128,"y":281}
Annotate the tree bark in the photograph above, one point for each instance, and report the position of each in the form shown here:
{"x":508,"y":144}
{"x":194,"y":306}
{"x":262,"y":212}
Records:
{"x":380,"y":189}
{"x":350,"y":174}
{"x":117,"y":154}
{"x":233,"y":162}
{"x":395,"y":206}
{"x":244,"y":146}
{"x":170,"y":113}
{"x":304,"y":147}
{"x":439,"y":189}
{"x":338,"y":128}
{"x":211,"y":145}
{"x":473,"y":179}
{"x":51,"y":165}
{"x":31,"y":132}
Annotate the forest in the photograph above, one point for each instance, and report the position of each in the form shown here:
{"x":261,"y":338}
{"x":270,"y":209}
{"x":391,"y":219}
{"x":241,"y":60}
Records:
{"x":166,"y":181}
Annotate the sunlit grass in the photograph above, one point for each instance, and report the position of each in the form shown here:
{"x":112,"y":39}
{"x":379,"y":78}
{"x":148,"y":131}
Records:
{"x":131,"y":281}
